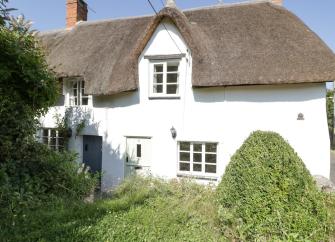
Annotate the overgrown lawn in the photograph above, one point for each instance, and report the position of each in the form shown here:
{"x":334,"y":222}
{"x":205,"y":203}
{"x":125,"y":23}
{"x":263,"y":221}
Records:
{"x":140,"y":210}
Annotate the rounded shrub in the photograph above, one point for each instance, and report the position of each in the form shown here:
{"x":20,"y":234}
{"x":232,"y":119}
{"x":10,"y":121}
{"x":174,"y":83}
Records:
{"x":267,"y":194}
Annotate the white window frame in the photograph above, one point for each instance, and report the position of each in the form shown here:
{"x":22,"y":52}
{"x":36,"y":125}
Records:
{"x":49,"y":138}
{"x":203,"y":163}
{"x":152,"y":72}
{"x":80,"y":93}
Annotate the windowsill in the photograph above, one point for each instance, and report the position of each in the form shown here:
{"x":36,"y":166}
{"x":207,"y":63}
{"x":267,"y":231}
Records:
{"x":79,"y":106}
{"x":163,"y":97}
{"x":165,"y":57}
{"x":198,"y":177}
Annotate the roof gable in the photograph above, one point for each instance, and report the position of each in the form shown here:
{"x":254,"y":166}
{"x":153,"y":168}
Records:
{"x":177,"y":18}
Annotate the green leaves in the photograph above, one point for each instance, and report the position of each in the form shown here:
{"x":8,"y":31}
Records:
{"x":330,"y":115}
{"x":27,"y":88}
{"x":267,"y":193}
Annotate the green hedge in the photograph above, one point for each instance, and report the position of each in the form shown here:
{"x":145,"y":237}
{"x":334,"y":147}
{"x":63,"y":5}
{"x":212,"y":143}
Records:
{"x":268,"y":194}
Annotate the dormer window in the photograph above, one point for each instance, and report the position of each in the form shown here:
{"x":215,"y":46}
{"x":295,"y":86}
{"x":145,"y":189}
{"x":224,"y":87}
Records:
{"x":74,"y":90}
{"x":165,"y":78}
{"x":77,"y":95}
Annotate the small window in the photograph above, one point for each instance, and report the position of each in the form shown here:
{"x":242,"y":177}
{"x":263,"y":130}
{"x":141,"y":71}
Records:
{"x":138,"y":150}
{"x":165,"y":79}
{"x":197,"y":158}
{"x":51,"y":138}
{"x":77,"y":94}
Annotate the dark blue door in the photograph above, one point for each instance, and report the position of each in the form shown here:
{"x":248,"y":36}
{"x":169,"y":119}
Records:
{"x":92,"y":152}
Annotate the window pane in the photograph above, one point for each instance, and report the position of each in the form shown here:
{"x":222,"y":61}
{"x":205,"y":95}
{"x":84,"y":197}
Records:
{"x":185,"y":146}
{"x":75,"y":85}
{"x":158,"y":78}
{"x":138,"y":150}
{"x":171,"y":89}
{"x":197,"y":167}
{"x":45,"y":136}
{"x":82,"y":84}
{"x":197,"y":157}
{"x":84,"y":101}
{"x":183,"y":156}
{"x":75,"y":92}
{"x":158,"y":68}
{"x":210,"y":168}
{"x":197,"y":147}
{"x":172,"y":66}
{"x":211,"y":147}
{"x":184,"y":166}
{"x":210,"y":158}
{"x":45,"y":140}
{"x":53,"y":141}
{"x":172,"y":78}
{"x":53,"y":133}
{"x":158,"y":88}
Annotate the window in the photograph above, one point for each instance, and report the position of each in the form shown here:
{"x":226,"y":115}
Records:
{"x":138,"y":150}
{"x":197,"y":158}
{"x":51,"y":138}
{"x":77,"y":94}
{"x":165,"y":79}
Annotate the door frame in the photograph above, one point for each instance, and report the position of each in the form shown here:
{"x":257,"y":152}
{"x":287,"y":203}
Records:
{"x":100,"y":162}
{"x":126,"y":149}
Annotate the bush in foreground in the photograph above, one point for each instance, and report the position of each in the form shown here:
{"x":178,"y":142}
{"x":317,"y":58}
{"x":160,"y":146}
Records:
{"x":36,"y":175}
{"x":268,"y":194}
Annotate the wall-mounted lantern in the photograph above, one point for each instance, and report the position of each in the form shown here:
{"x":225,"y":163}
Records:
{"x":173,"y":132}
{"x":301,"y":116}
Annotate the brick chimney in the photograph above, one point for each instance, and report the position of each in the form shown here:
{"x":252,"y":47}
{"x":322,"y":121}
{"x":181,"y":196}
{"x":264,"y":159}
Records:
{"x":76,"y":10}
{"x":278,"y":2}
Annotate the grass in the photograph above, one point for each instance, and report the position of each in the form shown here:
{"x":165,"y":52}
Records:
{"x":330,"y":202}
{"x":140,"y":210}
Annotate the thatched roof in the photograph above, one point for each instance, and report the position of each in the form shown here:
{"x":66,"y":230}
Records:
{"x":243,"y":44}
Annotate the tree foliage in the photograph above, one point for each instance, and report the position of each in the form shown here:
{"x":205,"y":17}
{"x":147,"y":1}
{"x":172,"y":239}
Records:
{"x":30,"y":172}
{"x":4,"y":12}
{"x":27,"y":88}
{"x":22,"y":25}
{"x":330,"y":115}
{"x":268,"y":194}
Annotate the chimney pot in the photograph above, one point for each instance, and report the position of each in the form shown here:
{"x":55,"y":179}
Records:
{"x":277,"y":2}
{"x":76,"y":10}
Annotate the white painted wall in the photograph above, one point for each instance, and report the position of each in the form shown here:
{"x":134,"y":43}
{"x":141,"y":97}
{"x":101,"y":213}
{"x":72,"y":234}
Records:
{"x":223,"y":115}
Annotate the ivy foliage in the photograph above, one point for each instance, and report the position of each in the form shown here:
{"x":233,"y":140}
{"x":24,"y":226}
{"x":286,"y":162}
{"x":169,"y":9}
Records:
{"x":27,"y":88}
{"x":268,"y":194}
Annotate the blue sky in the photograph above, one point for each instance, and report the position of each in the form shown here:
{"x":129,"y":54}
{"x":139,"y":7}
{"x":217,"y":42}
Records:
{"x":319,"y":15}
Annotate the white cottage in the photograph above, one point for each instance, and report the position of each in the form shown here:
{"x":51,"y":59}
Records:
{"x":177,"y":93}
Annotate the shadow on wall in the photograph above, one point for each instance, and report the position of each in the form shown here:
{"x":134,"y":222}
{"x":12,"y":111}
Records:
{"x":332,"y":166}
{"x":112,"y":166}
{"x":80,"y":119}
{"x":124,"y":99}
{"x":260,"y":93}
{"x":112,"y":159}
